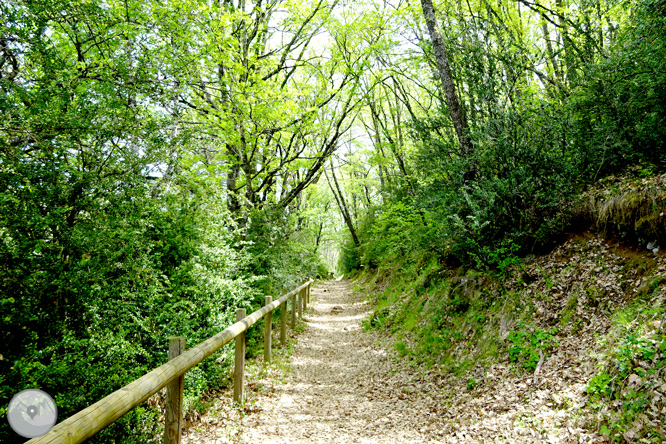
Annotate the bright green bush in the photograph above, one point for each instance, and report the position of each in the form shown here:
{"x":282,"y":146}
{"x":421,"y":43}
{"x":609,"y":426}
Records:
{"x":84,"y":323}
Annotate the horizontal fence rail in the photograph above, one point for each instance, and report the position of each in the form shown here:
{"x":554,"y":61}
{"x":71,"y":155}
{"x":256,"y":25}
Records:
{"x":91,"y":420}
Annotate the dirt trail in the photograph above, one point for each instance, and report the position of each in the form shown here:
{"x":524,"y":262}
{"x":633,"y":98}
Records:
{"x":340,"y":389}
{"x":344,"y":387}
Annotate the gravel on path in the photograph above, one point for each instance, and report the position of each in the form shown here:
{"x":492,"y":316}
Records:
{"x":345,"y":386}
{"x":341,"y":388}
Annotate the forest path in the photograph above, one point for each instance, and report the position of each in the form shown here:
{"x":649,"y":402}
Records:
{"x":345,"y":386}
{"x":340,"y":388}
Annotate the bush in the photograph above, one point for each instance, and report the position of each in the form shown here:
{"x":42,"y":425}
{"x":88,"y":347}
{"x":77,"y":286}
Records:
{"x":524,"y":174}
{"x":349,"y":260}
{"x":137,"y":270}
{"x":619,"y":108}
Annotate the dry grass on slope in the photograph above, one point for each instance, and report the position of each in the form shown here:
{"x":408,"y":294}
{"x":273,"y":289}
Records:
{"x":630,"y":207}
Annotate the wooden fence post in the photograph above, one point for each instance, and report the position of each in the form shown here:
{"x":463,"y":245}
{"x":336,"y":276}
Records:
{"x":309,"y":285}
{"x":268,"y":331}
{"x":300,"y":304}
{"x":305,"y":298}
{"x":173,"y":416}
{"x":239,"y":369}
{"x":91,"y":420}
{"x":293,"y":311}
{"x":283,"y":320}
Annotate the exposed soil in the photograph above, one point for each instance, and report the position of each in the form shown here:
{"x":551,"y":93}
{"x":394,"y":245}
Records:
{"x":346,"y":387}
{"x":343,"y":388}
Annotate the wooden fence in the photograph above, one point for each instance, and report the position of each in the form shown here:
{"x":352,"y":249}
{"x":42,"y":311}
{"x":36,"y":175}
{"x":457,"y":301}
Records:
{"x":89,"y":421}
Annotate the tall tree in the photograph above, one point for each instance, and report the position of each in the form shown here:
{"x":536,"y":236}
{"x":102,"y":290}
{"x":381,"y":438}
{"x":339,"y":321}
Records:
{"x":455,"y":109}
{"x":273,"y":107}
{"x":342,"y":205}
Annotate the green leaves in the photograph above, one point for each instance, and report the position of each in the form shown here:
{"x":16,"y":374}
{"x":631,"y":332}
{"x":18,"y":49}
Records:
{"x":128,"y":129}
{"x":525,"y":343}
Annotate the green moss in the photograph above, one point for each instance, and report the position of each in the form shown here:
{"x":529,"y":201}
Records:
{"x":438,"y":311}
{"x":411,"y":320}
{"x":401,"y":348}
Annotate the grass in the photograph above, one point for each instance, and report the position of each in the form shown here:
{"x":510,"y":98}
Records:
{"x":623,"y":390}
{"x":429,"y":323}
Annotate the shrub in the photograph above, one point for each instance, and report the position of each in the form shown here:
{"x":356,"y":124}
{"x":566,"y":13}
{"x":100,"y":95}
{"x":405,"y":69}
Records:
{"x":525,"y":343}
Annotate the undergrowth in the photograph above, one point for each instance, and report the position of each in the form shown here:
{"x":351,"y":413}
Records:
{"x":628,"y":389}
{"x":463,"y":321}
{"x":450,"y":319}
{"x":528,"y":346}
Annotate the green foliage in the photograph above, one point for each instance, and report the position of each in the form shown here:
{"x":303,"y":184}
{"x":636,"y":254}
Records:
{"x":618,"y":108}
{"x":401,"y":348}
{"x":127,"y":277}
{"x":502,"y":258}
{"x":600,"y":385}
{"x":114,"y":233}
{"x":432,"y":314}
{"x":278,"y":249}
{"x":598,"y":109}
{"x":152,"y":163}
{"x":525,"y":343}
{"x":629,"y":373}
{"x":472,"y":384}
{"x":350,"y":259}
{"x":523,"y":175}
{"x":391,"y":234}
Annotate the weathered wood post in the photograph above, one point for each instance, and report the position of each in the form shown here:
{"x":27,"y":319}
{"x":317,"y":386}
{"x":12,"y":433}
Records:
{"x":300,"y":304}
{"x":239,"y":368}
{"x":268,"y":330}
{"x":283,"y":320}
{"x":305,"y":297}
{"x":293,"y":311}
{"x":309,"y":285}
{"x":173,"y":416}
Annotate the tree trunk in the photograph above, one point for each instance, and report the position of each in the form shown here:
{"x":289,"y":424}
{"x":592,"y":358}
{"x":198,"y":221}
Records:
{"x":549,"y":50}
{"x":379,"y":124}
{"x":342,"y":205}
{"x":233,"y":204}
{"x":566,"y":42}
{"x":318,"y":237}
{"x":457,"y":114}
